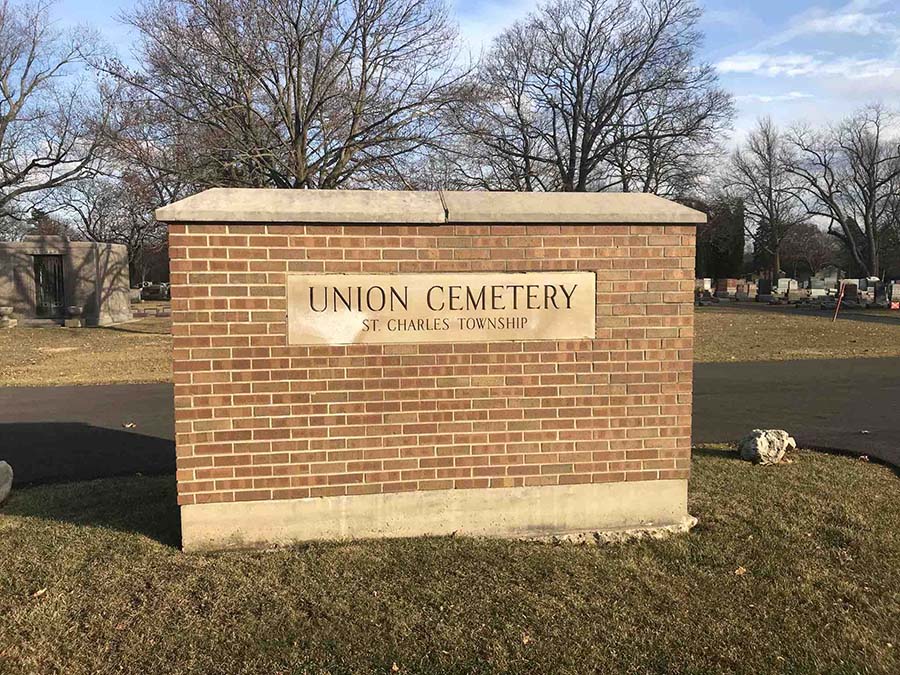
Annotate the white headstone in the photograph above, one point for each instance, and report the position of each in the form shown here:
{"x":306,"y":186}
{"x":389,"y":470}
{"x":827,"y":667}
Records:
{"x":6,"y":479}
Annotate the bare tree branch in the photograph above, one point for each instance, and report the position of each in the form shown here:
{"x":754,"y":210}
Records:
{"x":593,"y":94}
{"x":295,"y":93}
{"x":759,"y":174}
{"x":48,"y":117}
{"x":849,"y":174}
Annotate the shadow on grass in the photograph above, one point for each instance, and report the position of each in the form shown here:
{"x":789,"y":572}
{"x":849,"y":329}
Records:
{"x":853,"y":454}
{"x":732,"y":454}
{"x":109,"y":478}
{"x":137,"y":330}
{"x":721,"y":453}
{"x":136,"y":505}
{"x":848,"y":314}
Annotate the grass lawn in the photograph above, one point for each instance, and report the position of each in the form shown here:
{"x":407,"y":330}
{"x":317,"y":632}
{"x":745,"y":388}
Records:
{"x":727,"y":333}
{"x":140,"y":351}
{"x":93,"y":582}
{"x":137,"y":351}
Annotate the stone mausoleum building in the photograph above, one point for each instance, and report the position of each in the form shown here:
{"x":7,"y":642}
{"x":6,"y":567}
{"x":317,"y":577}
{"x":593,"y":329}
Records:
{"x":47,"y":278}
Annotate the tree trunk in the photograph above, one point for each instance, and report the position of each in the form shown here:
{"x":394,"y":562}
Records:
{"x":873,"y":262}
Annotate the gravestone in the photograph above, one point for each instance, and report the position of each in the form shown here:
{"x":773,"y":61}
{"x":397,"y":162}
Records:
{"x":6,"y":481}
{"x":726,"y":288}
{"x":784,"y":285}
{"x":6,"y":320}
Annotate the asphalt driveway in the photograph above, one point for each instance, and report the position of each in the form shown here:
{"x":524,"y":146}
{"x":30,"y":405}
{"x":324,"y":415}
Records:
{"x":52,"y":434}
{"x":841,"y":404}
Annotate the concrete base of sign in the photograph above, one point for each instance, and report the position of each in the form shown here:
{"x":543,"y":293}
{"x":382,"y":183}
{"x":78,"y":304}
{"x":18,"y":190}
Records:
{"x":521,"y":512}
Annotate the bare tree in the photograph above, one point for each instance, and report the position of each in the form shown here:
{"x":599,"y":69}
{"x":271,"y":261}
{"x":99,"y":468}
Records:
{"x":499,"y":143}
{"x":295,"y":93}
{"x":48,"y":114}
{"x":675,"y":136}
{"x":115,"y":209}
{"x":805,"y":245}
{"x":591,"y":94}
{"x":759,"y":173}
{"x":849,"y":175}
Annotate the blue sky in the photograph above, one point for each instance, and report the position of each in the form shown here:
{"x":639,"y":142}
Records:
{"x":791,"y":59}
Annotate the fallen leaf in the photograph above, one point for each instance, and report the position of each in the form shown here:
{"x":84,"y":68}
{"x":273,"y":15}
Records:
{"x":526,"y":638}
{"x":741,"y":571}
{"x":39,"y":593}
{"x":395,"y":668}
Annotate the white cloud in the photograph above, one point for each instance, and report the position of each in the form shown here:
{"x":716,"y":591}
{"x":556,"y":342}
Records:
{"x":815,"y":65}
{"x":774,"y":98}
{"x":877,"y":56}
{"x":759,"y":63}
{"x":885,"y":89}
{"x":860,"y":18}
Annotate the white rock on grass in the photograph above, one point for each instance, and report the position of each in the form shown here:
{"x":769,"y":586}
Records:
{"x":6,"y":478}
{"x":766,"y":446}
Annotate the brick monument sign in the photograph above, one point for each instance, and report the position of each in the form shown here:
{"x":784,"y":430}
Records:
{"x":372,"y":364}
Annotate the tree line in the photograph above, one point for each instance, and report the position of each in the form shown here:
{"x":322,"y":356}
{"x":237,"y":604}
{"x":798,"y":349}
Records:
{"x":580,"y":95}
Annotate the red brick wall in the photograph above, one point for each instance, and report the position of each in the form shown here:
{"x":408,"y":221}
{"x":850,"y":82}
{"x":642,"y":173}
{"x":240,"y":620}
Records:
{"x":256,"y":419}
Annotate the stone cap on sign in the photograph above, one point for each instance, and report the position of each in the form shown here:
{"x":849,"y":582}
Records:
{"x":565,"y":207}
{"x":260,"y":205}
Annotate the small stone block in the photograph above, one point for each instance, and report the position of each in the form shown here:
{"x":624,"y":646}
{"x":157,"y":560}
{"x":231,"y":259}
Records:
{"x":74,"y":323}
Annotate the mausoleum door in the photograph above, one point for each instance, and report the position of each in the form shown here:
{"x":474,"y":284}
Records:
{"x":48,"y":284}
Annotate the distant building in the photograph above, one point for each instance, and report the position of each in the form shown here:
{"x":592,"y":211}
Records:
{"x":43,"y":276}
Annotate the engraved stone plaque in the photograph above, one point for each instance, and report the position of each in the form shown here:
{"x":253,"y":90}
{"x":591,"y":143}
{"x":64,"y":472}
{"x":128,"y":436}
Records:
{"x":341,"y":309}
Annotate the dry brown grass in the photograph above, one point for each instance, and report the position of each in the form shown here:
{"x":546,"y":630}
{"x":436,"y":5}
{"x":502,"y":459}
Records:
{"x":792,"y":569}
{"x":137,"y":351}
{"x":141,"y":351}
{"x":750,"y":334}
